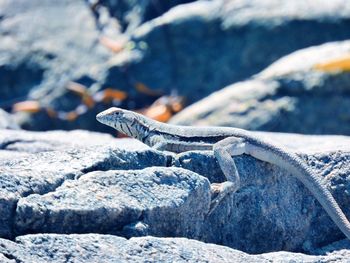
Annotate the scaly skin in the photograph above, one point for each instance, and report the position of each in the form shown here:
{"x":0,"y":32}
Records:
{"x":225,"y":142}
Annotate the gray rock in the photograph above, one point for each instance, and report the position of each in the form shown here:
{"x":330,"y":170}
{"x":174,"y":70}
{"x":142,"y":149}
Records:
{"x":131,"y":13}
{"x":30,"y":165}
{"x":58,"y":48}
{"x":154,"y":201}
{"x":6,"y":121}
{"x":61,"y":187}
{"x":107,"y":248}
{"x":65,"y":50}
{"x":193,"y":49}
{"x":35,"y":142}
{"x":292,"y":95}
{"x":260,"y":216}
{"x":200,"y":47}
{"x":4,"y":259}
{"x":41,"y":52}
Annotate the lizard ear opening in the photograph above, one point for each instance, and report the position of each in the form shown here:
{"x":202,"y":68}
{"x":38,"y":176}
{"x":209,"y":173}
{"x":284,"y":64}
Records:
{"x":127,"y":117}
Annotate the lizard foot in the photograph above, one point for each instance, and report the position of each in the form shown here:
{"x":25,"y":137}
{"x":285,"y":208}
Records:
{"x":219,"y":192}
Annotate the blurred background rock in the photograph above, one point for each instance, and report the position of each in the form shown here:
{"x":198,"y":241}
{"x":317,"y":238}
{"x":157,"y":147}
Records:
{"x":62,"y":62}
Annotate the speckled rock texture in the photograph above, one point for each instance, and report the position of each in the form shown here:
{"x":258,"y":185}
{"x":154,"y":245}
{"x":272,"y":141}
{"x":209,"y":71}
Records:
{"x":260,"y":216}
{"x":301,"y":93}
{"x":107,"y":248}
{"x":81,"y":182}
{"x":38,"y":164}
{"x":152,"y":201}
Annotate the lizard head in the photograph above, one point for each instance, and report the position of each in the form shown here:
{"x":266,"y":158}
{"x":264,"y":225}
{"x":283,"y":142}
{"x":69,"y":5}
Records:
{"x":127,"y":122}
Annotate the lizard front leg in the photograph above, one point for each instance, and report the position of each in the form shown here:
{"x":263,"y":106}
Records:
{"x":223,"y":151}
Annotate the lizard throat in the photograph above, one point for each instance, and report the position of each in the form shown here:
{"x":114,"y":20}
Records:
{"x":134,"y":130}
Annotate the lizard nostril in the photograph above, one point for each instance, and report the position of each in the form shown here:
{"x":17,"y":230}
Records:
{"x":105,"y":115}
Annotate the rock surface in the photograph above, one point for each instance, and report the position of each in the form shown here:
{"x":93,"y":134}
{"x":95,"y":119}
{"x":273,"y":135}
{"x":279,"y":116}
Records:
{"x":203,"y":46}
{"x":43,"y":46}
{"x":305,"y":92}
{"x":260,"y":214}
{"x":6,"y":121}
{"x":192,"y":49}
{"x":131,"y":13}
{"x":107,"y":248}
{"x":153,"y":201}
{"x":29,"y":165}
{"x":81,"y":182}
{"x":32,"y":58}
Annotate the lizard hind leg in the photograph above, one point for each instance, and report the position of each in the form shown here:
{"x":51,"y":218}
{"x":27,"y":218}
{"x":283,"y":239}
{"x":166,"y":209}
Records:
{"x":223,"y":151}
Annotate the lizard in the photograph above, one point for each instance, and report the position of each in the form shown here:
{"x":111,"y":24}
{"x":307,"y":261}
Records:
{"x":225,"y":142}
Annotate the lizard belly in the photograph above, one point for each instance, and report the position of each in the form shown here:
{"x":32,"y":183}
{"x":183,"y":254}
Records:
{"x":179,"y":146}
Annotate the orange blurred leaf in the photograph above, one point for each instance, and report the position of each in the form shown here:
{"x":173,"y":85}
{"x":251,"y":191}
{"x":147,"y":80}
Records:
{"x":177,"y":106}
{"x":77,"y":88}
{"x":160,"y":113}
{"x":164,"y":108}
{"x":30,"y":106}
{"x":51,"y":112}
{"x":110,"y":94}
{"x":88,"y":101}
{"x":71,"y":116}
{"x":114,"y":45}
{"x":82,"y":91}
{"x":340,"y":64}
{"x":142,"y":88}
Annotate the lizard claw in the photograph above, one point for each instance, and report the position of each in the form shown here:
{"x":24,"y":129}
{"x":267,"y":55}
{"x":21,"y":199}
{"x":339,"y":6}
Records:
{"x":218,"y":192}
